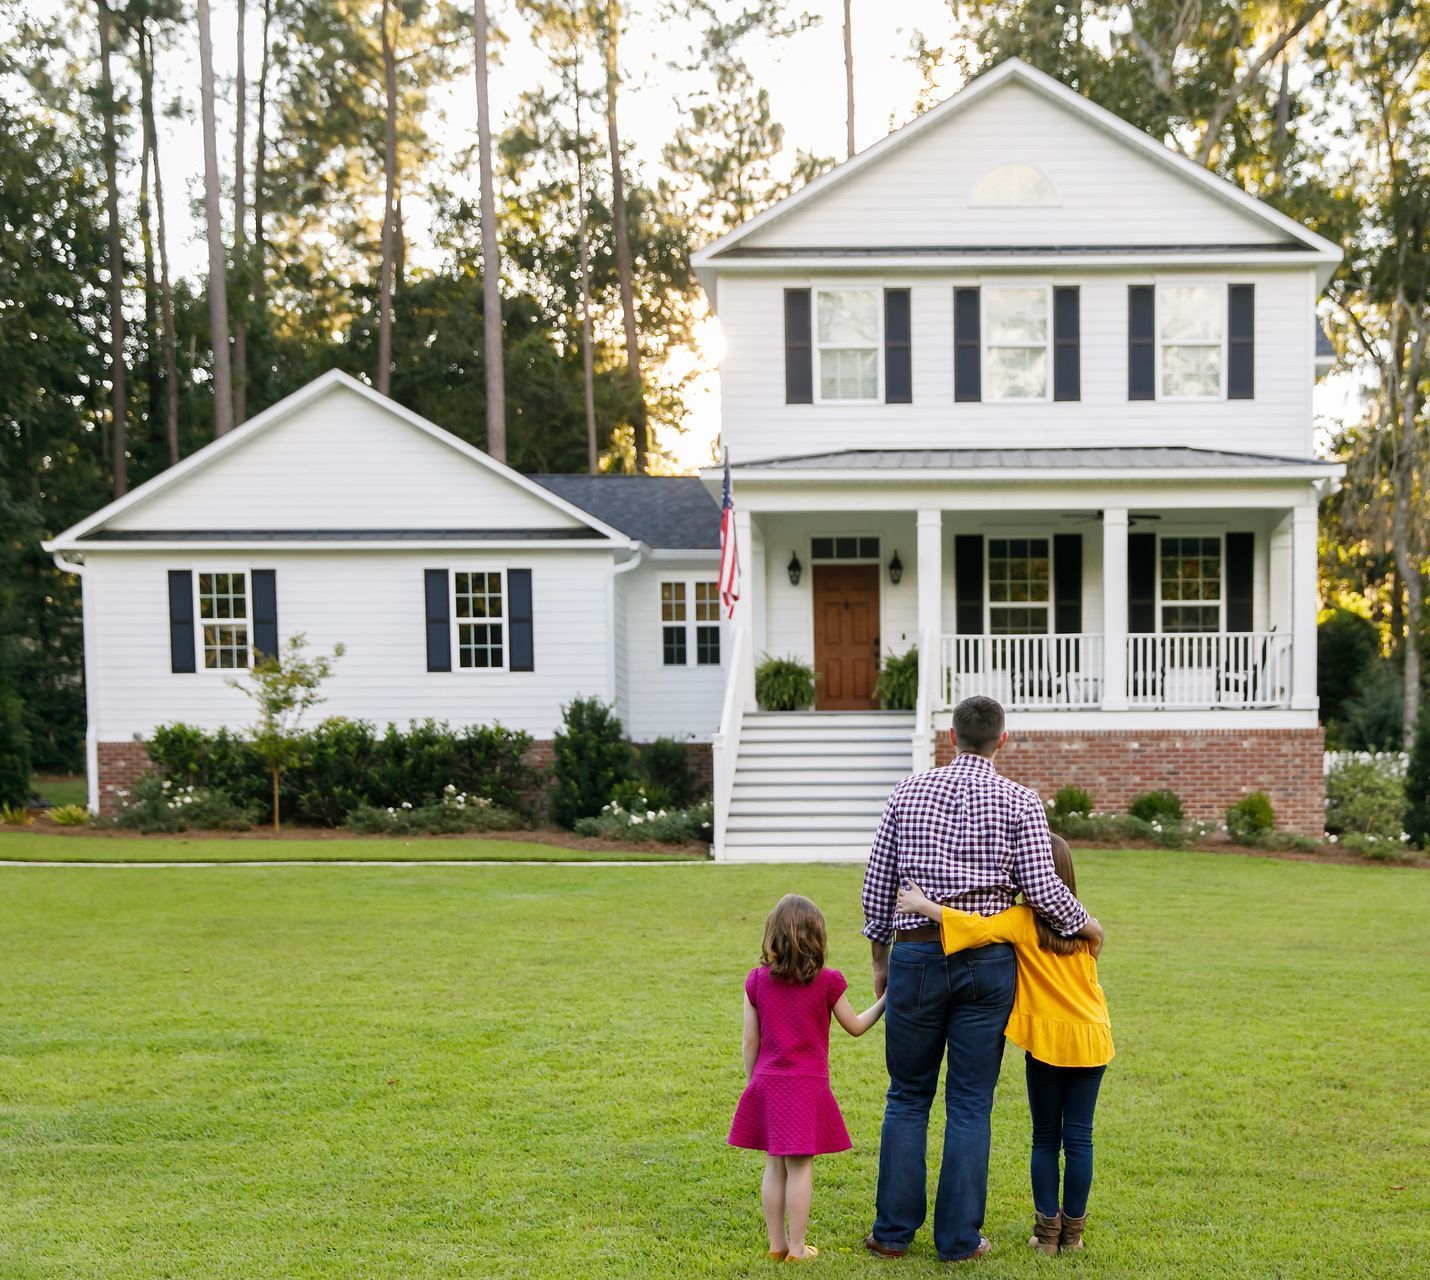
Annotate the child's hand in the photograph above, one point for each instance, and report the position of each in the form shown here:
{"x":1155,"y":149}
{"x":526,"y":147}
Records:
{"x":913,"y":901}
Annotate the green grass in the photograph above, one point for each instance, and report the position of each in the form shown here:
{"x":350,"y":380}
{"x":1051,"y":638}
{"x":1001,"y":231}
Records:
{"x":528,"y":1072}
{"x":35,"y":846}
{"x":67,"y":790}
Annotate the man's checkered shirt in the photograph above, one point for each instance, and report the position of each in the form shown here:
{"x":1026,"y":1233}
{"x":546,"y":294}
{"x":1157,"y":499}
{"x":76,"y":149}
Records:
{"x":967,"y":837}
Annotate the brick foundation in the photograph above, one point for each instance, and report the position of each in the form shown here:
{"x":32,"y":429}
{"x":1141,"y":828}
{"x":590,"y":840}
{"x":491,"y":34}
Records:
{"x":1208,"y":768}
{"x":120,"y":765}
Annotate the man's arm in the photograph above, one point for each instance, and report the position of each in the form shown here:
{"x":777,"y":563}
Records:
{"x":881,"y":887}
{"x":1033,"y":872}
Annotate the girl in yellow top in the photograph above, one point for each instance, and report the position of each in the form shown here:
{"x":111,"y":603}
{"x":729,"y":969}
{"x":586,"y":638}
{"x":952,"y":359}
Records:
{"x":1060,"y":1020}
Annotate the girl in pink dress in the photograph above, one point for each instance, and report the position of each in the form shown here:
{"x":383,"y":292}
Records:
{"x":787,"y":1109}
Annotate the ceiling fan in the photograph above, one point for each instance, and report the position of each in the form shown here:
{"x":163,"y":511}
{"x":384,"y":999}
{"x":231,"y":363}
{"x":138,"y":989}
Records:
{"x":1087,"y":517}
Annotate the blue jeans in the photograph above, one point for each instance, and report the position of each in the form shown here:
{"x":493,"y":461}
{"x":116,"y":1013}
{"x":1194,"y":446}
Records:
{"x":960,"y":1003}
{"x":1062,"y":1100}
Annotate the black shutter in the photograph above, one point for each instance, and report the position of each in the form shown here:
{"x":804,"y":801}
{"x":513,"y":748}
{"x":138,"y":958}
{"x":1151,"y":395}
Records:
{"x":967,"y":358}
{"x":439,"y":620}
{"x":1240,"y":557}
{"x":1067,"y":382}
{"x":898,"y":353}
{"x":1141,"y":342}
{"x":799,"y":358}
{"x":1141,"y":583}
{"x":264,"y":585}
{"x":1241,"y":342}
{"x":518,"y":606}
{"x":181,"y":621}
{"x":1067,"y":583}
{"x":968,"y":583}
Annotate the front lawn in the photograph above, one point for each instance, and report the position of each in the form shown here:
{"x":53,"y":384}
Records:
{"x":527,"y":1072}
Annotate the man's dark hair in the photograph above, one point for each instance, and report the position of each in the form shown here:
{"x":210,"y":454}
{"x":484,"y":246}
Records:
{"x":978,"y":724}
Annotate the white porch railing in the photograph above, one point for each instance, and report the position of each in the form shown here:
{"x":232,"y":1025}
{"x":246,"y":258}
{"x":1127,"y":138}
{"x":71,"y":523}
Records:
{"x":1223,"y":669}
{"x":725,"y":745}
{"x":1025,"y":673}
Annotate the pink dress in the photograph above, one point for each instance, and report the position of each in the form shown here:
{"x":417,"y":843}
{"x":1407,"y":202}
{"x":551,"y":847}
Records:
{"x":787,"y":1109}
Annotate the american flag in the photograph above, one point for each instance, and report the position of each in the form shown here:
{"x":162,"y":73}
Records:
{"x":729,"y":552}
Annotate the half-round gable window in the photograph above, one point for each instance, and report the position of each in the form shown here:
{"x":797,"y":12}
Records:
{"x":1017,"y":185}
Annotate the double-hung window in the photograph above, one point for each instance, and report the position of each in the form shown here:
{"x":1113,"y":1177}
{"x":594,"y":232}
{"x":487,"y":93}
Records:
{"x":1019,"y":586}
{"x":1190,"y":574}
{"x":690,"y":623}
{"x":479,"y":619}
{"x":1191,"y":323}
{"x":223,"y":620}
{"x":1018,"y":325}
{"x":847,"y":335}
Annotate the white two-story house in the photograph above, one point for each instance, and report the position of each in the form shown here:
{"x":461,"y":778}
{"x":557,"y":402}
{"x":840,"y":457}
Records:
{"x":1017,"y":387}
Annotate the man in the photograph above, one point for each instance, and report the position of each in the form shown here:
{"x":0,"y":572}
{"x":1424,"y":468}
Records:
{"x":973,"y":839}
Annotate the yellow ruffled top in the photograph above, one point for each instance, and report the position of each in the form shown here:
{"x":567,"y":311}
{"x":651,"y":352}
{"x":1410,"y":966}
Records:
{"x":1060,"y":1012}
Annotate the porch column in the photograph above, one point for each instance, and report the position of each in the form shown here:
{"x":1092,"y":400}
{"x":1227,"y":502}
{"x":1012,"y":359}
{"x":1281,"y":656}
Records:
{"x":750,"y":608}
{"x":1303,"y":609}
{"x":1114,"y":609}
{"x":930,"y":602}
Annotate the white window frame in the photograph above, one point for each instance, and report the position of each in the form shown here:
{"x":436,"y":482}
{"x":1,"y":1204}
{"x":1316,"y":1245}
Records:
{"x":984,"y":289}
{"x":691,"y":624}
{"x":818,"y":348}
{"x":1221,"y":594}
{"x":1218,"y":283}
{"x":454,"y":622}
{"x":200,"y":665}
{"x":988,"y":602}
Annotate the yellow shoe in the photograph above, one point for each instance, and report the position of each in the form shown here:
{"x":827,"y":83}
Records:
{"x":778,"y":1255}
{"x":809,"y":1255}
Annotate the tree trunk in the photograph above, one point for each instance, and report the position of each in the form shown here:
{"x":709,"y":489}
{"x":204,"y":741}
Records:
{"x":213,"y":224}
{"x":146,"y":242}
{"x":849,"y":77}
{"x":166,"y":293}
{"x":1404,"y":541}
{"x":277,"y":777}
{"x":583,"y":253}
{"x":620,"y":233}
{"x":118,"y":398}
{"x":260,"y":169}
{"x":491,"y":252}
{"x":389,"y":201}
{"x":240,"y":229}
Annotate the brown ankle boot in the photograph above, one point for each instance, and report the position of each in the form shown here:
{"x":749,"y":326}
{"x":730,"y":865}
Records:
{"x":1046,"y":1232}
{"x":1070,"y":1238}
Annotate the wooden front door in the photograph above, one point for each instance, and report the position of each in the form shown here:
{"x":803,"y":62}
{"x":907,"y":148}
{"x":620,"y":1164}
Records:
{"x":846,"y":636}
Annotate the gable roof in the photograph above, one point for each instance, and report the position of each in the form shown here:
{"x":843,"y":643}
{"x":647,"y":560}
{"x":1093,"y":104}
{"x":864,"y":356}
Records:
{"x":559,"y":511}
{"x":726,"y":252}
{"x":664,"y":512}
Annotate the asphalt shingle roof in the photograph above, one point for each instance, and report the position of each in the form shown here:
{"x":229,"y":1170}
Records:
{"x":673,"y":512}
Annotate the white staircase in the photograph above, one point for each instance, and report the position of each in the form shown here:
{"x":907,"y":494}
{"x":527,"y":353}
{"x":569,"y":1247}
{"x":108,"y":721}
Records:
{"x":810,"y":786}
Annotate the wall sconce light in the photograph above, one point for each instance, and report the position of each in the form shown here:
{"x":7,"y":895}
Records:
{"x":896,"y":569}
{"x":795,"y":569}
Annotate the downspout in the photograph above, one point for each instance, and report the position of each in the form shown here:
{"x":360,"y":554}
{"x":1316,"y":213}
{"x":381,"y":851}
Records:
{"x":77,"y":567}
{"x":638,"y":549}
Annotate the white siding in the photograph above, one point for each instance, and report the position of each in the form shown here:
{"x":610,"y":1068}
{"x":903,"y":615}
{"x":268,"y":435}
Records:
{"x":1108,"y":193}
{"x":343,"y":462}
{"x":373,"y":604}
{"x":672,"y":702}
{"x":756,"y":422}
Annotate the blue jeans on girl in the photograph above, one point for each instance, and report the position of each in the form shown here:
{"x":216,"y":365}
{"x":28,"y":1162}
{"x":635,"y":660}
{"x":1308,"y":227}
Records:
{"x":1062,"y":1100}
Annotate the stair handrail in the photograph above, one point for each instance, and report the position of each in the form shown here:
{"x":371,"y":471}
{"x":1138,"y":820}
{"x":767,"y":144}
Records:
{"x":725,"y":745}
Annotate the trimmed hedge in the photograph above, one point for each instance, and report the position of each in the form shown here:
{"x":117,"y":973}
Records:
{"x":348,"y":764}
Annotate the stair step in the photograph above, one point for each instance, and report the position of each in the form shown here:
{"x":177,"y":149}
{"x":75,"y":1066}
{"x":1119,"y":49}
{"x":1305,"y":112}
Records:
{"x":770,"y":772}
{"x":820,"y":750}
{"x":852,"y":823}
{"x":830,"y":801}
{"x":810,"y":792}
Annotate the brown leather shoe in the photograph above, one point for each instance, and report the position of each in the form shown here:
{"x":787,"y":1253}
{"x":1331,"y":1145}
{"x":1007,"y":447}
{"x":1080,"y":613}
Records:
{"x":1070,"y":1238}
{"x":984,"y":1245}
{"x":882,"y":1249}
{"x":1046,"y":1233}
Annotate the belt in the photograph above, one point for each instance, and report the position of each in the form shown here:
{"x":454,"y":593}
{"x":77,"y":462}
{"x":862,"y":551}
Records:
{"x":928,"y":933}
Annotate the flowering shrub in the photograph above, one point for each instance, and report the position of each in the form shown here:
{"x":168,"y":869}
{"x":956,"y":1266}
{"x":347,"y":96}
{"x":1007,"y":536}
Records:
{"x":1365,"y":794}
{"x":641,"y":822}
{"x":455,"y":813}
{"x":157,"y":804}
{"x":1166,"y":833}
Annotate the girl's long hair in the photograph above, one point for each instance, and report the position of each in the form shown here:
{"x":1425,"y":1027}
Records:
{"x":1048,"y":938}
{"x":793,"y":948}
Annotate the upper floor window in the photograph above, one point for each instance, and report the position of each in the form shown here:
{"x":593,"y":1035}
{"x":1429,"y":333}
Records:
{"x":1191,"y":323}
{"x":1017,"y":324}
{"x":478,"y":615}
{"x":1190,"y":582}
{"x":847,"y":340}
{"x":223,"y":617}
{"x":690,"y":623}
{"x":1019,"y":586}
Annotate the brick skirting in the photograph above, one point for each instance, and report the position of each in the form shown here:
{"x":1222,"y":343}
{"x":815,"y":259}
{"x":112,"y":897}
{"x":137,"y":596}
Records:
{"x":1208,"y":768}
